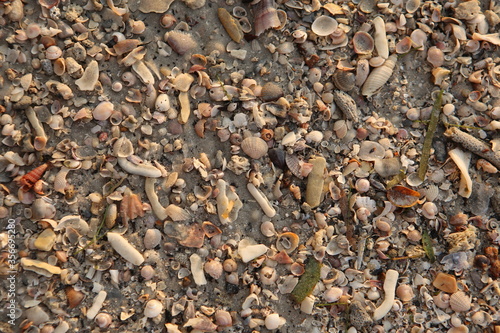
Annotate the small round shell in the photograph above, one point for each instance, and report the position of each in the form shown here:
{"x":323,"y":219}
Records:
{"x":344,"y":80}
{"x":153,"y":308}
{"x":287,"y":242}
{"x":254,"y":147}
{"x":363,"y":43}
{"x":324,"y":25}
{"x":103,"y":111}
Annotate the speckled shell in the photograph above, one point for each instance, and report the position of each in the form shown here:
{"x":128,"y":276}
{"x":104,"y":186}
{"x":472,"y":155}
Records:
{"x":346,"y":104}
{"x":460,"y":302}
{"x":254,"y":147}
{"x":379,"y":76}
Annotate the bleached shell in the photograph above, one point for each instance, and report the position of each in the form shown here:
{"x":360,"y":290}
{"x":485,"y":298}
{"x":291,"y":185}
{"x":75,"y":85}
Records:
{"x":462,"y":160}
{"x":182,"y":82}
{"x":371,"y":151}
{"x":223,"y":318}
{"x":412,"y":6}
{"x":197,"y":269}
{"x":254,"y":147}
{"x":333,"y":294}
{"x":363,"y":43}
{"x":380,"y":38}
{"x":103,"y":111}
{"x":75,"y":222}
{"x":481,"y":318}
{"x":249,"y":251}
{"x":40,"y":267}
{"x":324,"y":25}
{"x":153,"y":308}
{"x":314,"y":136}
{"x":460,"y":302}
{"x":90,"y":77}
{"x":379,"y":76}
{"x":162,"y":103}
{"x":143,"y":72}
{"x":152,"y":238}
{"x":123,"y":147}
{"x":124,"y":248}
{"x":431,"y":193}
{"x":228,"y":202}
{"x":272,"y":321}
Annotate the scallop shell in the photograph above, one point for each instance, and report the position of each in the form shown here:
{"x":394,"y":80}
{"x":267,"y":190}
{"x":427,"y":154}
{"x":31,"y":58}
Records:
{"x":254,"y":147}
{"x":324,"y":25}
{"x":344,"y":80}
{"x":379,"y":76}
{"x":363,"y":43}
{"x":460,"y":302}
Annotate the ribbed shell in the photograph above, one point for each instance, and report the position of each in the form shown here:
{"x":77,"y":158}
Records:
{"x":254,"y":147}
{"x":379,"y":76}
{"x":460,"y":302}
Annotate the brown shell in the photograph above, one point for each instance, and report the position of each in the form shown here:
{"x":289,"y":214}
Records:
{"x":254,"y":147}
{"x":287,"y":241}
{"x":460,"y":302}
{"x":344,"y":80}
{"x":401,"y":196}
{"x":210,"y":229}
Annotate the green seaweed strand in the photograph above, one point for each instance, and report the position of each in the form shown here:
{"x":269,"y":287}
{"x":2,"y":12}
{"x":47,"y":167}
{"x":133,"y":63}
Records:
{"x":426,"y":151}
{"x":427,"y":244}
{"x":307,"y":281}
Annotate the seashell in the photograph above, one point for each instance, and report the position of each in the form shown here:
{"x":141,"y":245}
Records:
{"x":307,"y":305}
{"x":214,"y":268}
{"x":358,"y":316}
{"x":271,"y":92}
{"x":210,"y":229}
{"x":201,"y":324}
{"x":401,"y":196}
{"x":28,"y":180}
{"x":412,"y":6}
{"x":333,"y":294}
{"x":230,"y":24}
{"x":268,"y":275}
{"x":274,"y":321}
{"x":343,"y":80}
{"x":315,"y":181}
{"x":41,"y":209}
{"x":123,"y":147}
{"x":59,"y":66}
{"x":53,"y":52}
{"x":74,"y":69}
{"x":262,"y":200}
{"x":324,"y":25}
{"x":338,"y":37}
{"x":181,"y":42}
{"x":74,"y":297}
{"x":419,"y":38}
{"x":482,"y":318}
{"x":89,"y":78}
{"x":248,"y":250}
{"x":162,"y":103}
{"x":124,"y":248}
{"x":46,"y":240}
{"x":265,"y":16}
{"x":405,"y":292}
{"x":223,"y":318}
{"x":287,"y":242}
{"x":391,"y":280}
{"x":379,"y":76}
{"x":376,"y":61}
{"x":380,"y":38}
{"x":460,"y":302}
{"x":228,"y":202}
{"x":387,"y":167}
{"x":153,"y":308}
{"x":371,"y":151}
{"x":146,"y":170}
{"x":182,"y":82}
{"x":435,"y":57}
{"x":103,"y":111}
{"x":404,"y":45}
{"x":152,"y":238}
{"x":147,"y":272}
{"x":493,"y":38}
{"x":445,"y":282}
{"x":254,"y":147}
{"x":60,"y":88}
{"x":39,"y":267}
{"x":462,"y":161}
{"x":103,"y":320}
{"x":439,"y":75}
{"x":442,"y":300}
{"x":167,"y":21}
{"x":197,"y":270}
{"x":229,"y":265}
{"x":363,"y":43}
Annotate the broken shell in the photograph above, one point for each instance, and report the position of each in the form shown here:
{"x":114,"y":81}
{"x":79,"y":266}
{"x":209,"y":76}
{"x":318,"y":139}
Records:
{"x":380,"y":38}
{"x":146,"y":170}
{"x":89,"y":79}
{"x":210,"y":229}
{"x":324,"y":25}
{"x":315,"y":181}
{"x":123,"y":147}
{"x":181,"y":42}
{"x":153,"y":308}
{"x":265,"y":17}
{"x":261,"y":199}
{"x":124,"y":248}
{"x":363,"y":43}
{"x":249,"y":251}
{"x":435,"y":56}
{"x":462,"y":161}
{"x":230,"y":24}
{"x":274,"y":321}
{"x":460,"y":302}
{"x":162,"y":103}
{"x":481,"y":318}
{"x":213,"y":268}
{"x":371,"y":151}
{"x":39,"y":267}
{"x":254,"y":147}
{"x":445,"y":282}
{"x":287,"y":242}
{"x":97,"y":304}
{"x":267,"y":229}
{"x":197,"y":269}
{"x":75,"y":297}
{"x":268,"y":275}
{"x":59,"y":66}
{"x":333,"y":294}
{"x":401,"y":196}
{"x":404,"y":45}
{"x":228,"y":202}
{"x":223,"y":318}
{"x":391,"y":280}
{"x":343,"y":80}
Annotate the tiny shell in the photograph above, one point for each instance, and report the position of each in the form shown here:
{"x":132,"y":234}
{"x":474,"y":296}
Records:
{"x":230,"y":24}
{"x":435,"y":57}
{"x":344,"y":80}
{"x":333,"y":294}
{"x":380,"y":38}
{"x":405,"y":292}
{"x":90,"y":77}
{"x":324,"y":25}
{"x":315,"y":181}
{"x":363,"y":43}
{"x":254,"y":147}
{"x":162,"y":103}
{"x":123,"y":147}
{"x":248,"y":251}
{"x":460,"y":302}
{"x":197,"y":270}
{"x":53,"y":52}
{"x":103,"y":111}
{"x":287,"y":242}
{"x":213,"y":268}
{"x":223,"y":318}
{"x":404,"y":45}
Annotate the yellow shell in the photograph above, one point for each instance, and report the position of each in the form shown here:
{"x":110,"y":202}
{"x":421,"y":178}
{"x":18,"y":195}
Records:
{"x":254,"y":147}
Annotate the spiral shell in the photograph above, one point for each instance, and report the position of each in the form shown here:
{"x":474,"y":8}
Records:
{"x":379,"y":76}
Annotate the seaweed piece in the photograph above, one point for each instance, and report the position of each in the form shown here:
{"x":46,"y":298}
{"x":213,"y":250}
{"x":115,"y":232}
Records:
{"x":431,"y":129}
{"x":427,"y":244}
{"x":307,"y":281}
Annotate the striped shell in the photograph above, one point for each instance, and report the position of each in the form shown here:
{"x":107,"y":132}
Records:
{"x":379,"y":76}
{"x":254,"y":147}
{"x":28,"y":180}
{"x":460,"y":302}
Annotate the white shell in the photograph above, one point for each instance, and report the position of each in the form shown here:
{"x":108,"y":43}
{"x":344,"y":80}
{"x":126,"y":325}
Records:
{"x":324,"y":25}
{"x":153,"y":308}
{"x":162,"y":103}
{"x":462,"y":160}
{"x":249,"y":251}
{"x":379,"y":76}
{"x":124,"y":248}
{"x":460,"y":302}
{"x":197,"y":270}
{"x":381,"y":44}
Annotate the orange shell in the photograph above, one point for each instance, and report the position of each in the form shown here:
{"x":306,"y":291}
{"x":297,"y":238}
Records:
{"x":404,"y":197}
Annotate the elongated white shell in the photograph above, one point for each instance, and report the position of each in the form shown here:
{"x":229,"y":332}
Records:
{"x":124,"y":248}
{"x":379,"y":76}
{"x":145,"y":170}
{"x":462,"y":160}
{"x":197,"y":270}
{"x":261,"y":200}
{"x":96,"y":306}
{"x":391,"y":280}
{"x":381,"y":44}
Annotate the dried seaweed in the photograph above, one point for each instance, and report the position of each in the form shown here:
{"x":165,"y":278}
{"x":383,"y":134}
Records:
{"x":431,"y":130}
{"x":307,"y":281}
{"x":427,"y":244}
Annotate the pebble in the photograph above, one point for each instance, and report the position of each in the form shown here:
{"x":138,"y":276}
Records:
{"x":358,"y":316}
{"x":445,"y":282}
{"x":271,"y":92}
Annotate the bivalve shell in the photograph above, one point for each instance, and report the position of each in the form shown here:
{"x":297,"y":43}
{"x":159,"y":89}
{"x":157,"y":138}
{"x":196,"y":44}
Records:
{"x":254,"y":147}
{"x":460,"y":302}
{"x":324,"y":25}
{"x":363,"y":43}
{"x":153,"y":308}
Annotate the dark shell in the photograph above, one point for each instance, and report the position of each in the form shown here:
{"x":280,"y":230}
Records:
{"x":277,"y":156}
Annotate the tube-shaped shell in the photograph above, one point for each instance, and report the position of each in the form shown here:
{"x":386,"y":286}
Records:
{"x":96,"y":305}
{"x":124,"y":248}
{"x":261,"y":200}
{"x":381,"y":44}
{"x":315,"y":181}
{"x":146,"y":170}
{"x":379,"y":76}
{"x":462,"y":160}
{"x":391,"y":280}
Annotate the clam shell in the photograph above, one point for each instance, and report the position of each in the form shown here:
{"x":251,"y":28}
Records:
{"x":324,"y":25}
{"x":371,"y":151}
{"x":460,"y":302}
{"x":344,"y":80}
{"x":363,"y":43}
{"x":254,"y":147}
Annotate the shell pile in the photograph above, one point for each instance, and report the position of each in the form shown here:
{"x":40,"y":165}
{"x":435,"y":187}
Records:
{"x":192,"y":166}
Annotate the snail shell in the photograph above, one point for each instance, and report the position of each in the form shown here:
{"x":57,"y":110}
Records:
{"x":379,"y":76}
